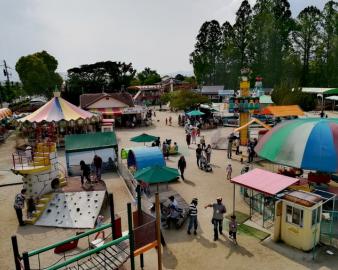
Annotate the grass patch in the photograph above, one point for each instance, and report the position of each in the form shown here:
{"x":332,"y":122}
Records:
{"x":240,"y":217}
{"x":248,"y":230}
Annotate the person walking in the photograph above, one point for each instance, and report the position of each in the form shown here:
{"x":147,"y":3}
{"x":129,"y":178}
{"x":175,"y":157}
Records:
{"x":182,"y":164}
{"x":170,"y":120}
{"x":85,"y":172}
{"x":192,"y":212}
{"x":202,"y":142}
{"x":166,"y":121}
{"x":228,"y":170}
{"x":164,"y":149}
{"x":208,"y":153}
{"x":98,"y":167}
{"x":19,"y":204}
{"x":193,"y":135}
{"x":230,"y":141}
{"x":198,"y":154}
{"x":188,"y":138}
{"x":217,"y":218}
{"x":237,"y":146}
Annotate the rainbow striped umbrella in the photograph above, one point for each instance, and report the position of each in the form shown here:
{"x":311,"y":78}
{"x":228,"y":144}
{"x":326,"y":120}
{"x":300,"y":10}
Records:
{"x":55,"y":110}
{"x":310,"y":143}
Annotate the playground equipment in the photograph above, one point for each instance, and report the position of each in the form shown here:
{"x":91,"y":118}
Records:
{"x":143,"y":234}
{"x":142,"y":157}
{"x":41,"y":174}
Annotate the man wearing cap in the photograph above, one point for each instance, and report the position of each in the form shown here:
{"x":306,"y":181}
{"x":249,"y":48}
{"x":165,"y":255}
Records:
{"x":193,"y":216}
{"x":217,"y":217}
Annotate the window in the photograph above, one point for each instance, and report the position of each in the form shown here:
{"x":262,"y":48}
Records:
{"x":294,"y":215}
{"x":316,"y":215}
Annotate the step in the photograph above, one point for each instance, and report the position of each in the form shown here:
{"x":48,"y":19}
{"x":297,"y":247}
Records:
{"x":63,"y":183}
{"x":37,"y":213}
{"x":30,"y":169}
{"x":40,"y":206}
{"x":44,"y":200}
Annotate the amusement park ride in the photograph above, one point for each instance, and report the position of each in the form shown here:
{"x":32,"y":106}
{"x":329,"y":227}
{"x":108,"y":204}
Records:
{"x":245,"y":104}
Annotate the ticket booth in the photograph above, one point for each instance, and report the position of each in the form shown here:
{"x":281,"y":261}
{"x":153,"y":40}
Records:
{"x":297,"y":219}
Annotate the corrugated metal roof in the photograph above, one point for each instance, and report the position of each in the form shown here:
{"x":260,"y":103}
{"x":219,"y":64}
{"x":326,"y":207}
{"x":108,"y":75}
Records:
{"x":281,"y":111}
{"x":90,"y":141}
{"x":211,"y":89}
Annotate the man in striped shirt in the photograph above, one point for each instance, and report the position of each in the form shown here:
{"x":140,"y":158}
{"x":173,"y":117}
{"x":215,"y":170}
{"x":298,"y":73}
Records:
{"x":193,"y":216}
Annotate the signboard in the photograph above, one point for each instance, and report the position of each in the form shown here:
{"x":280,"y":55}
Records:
{"x":226,"y":92}
{"x":243,"y":104}
{"x":134,"y":110}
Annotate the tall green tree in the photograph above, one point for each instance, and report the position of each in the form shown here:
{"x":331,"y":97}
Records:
{"x":206,"y":56}
{"x":329,"y":24}
{"x":37,"y":73}
{"x":148,"y":76}
{"x":306,"y":38}
{"x":242,"y":31}
{"x":184,"y":99}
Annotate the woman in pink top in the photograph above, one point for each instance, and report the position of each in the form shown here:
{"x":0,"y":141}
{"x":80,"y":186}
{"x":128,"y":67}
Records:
{"x":193,"y":135}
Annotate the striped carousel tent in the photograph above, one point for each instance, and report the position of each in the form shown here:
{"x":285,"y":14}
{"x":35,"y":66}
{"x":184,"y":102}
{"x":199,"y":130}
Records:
{"x":5,"y":112}
{"x":57,"y":109}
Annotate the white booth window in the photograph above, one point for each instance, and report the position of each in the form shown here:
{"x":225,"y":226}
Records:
{"x":294,"y":215}
{"x":316,"y":215}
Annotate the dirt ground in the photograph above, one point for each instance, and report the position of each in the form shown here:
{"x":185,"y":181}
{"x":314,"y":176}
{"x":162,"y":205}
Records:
{"x":183,"y":251}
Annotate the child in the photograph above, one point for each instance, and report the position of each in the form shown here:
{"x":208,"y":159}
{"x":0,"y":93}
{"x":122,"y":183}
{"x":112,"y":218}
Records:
{"x":30,"y":208}
{"x":228,"y":170}
{"x":233,"y":229}
{"x":99,"y":223}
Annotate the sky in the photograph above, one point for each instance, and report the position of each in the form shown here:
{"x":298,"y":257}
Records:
{"x":159,"y":34}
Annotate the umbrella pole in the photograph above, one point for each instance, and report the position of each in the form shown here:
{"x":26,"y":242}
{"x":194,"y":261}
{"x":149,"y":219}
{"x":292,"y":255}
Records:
{"x":157,"y":187}
{"x":158,"y":231}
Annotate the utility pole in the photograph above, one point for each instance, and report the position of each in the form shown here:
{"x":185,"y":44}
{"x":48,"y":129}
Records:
{"x":6,"y":74}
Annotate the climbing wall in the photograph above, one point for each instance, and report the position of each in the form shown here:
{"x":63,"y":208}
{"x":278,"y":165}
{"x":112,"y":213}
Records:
{"x":72,"y":210}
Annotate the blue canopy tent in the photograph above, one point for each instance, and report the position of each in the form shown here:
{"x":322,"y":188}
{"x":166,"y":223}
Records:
{"x":142,"y":157}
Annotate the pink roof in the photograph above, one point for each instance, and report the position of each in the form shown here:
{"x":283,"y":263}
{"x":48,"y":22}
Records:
{"x":264,"y":181}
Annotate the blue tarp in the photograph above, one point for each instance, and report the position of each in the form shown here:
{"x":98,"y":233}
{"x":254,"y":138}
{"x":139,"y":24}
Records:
{"x":142,"y":157}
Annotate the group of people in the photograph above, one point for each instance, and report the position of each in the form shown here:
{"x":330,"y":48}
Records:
{"x":219,"y":211}
{"x":203,"y":154}
{"x":234,"y":142}
{"x":168,"y":148}
{"x":85,"y":168}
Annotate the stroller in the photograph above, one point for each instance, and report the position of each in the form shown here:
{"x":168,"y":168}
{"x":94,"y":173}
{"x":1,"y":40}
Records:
{"x":204,"y":165}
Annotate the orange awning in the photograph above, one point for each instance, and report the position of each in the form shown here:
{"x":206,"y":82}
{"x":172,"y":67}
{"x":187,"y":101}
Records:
{"x":281,"y":111}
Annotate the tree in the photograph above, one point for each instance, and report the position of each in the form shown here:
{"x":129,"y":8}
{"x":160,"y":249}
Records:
{"x":241,"y":31}
{"x":94,"y":78}
{"x":206,"y":56}
{"x":180,"y":77}
{"x":306,"y":38}
{"x":148,"y":77}
{"x":37,"y":73}
{"x":183,"y":99}
{"x":329,"y":23}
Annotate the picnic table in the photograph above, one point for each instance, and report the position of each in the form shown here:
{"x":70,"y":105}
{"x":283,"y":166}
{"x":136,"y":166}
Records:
{"x":164,"y":201}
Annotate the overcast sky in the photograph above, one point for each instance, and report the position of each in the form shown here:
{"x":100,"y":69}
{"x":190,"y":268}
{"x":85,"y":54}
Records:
{"x":159,"y":34}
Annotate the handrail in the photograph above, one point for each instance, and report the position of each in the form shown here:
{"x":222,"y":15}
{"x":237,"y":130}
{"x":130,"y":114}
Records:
{"x":76,"y":237}
{"x":89,"y":252}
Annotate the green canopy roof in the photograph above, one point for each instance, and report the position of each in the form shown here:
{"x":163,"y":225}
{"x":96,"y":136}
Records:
{"x":195,"y":113}
{"x":265,"y":99}
{"x":89,"y":141}
{"x":143,"y":138}
{"x":156,"y":174}
{"x":333,"y":91}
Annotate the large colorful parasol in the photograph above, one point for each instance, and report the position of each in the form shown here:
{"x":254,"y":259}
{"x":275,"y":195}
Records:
{"x":310,"y":143}
{"x":195,"y":113}
{"x":55,"y":110}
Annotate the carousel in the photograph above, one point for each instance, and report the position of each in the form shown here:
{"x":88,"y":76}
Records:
{"x":56,"y":119}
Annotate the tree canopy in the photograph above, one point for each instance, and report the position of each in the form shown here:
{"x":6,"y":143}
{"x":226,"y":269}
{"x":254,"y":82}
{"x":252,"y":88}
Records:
{"x":101,"y":76}
{"x":148,"y":77}
{"x":183,"y":99}
{"x":301,"y":50}
{"x":37,"y":73}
